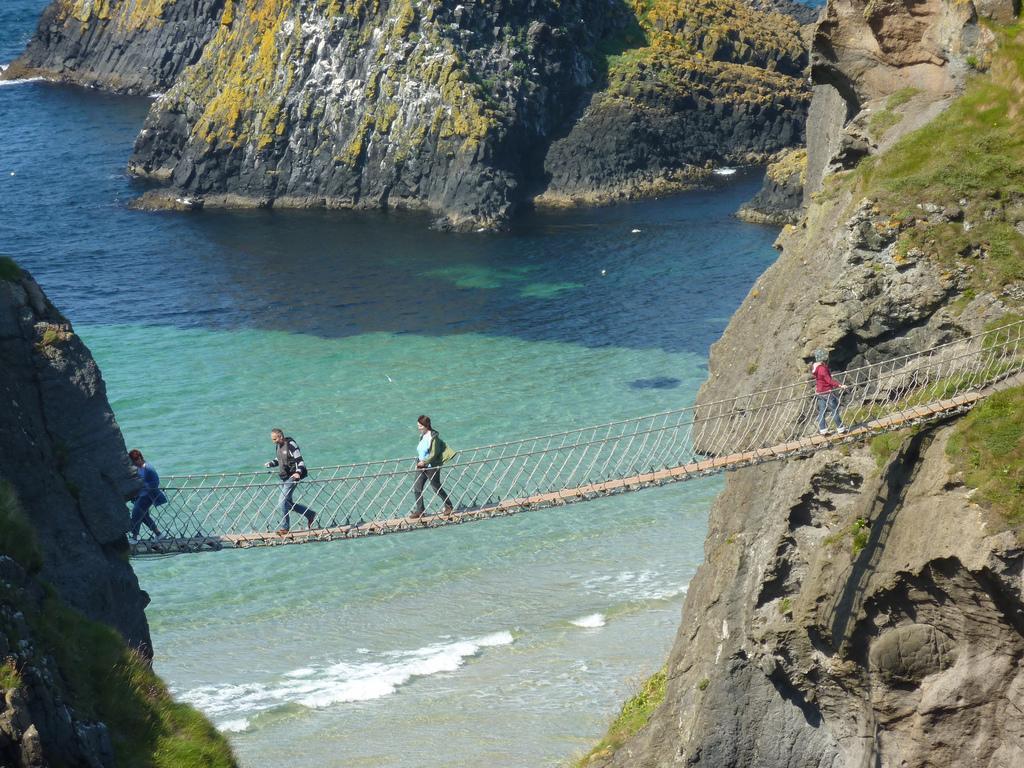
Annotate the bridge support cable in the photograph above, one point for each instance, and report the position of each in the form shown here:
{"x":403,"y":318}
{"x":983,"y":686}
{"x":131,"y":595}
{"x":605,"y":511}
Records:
{"x":213,"y":511}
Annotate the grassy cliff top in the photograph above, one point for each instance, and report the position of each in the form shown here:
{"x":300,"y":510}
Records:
{"x":668,"y":71}
{"x":988,"y":448}
{"x":722,"y":46}
{"x":724,"y":30}
{"x":970,"y":162}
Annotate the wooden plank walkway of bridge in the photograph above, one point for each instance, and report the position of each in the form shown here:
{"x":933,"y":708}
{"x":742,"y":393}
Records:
{"x":700,"y":468}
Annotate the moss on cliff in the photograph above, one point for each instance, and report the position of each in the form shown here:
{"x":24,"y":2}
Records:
{"x":634,"y":716}
{"x":724,"y":30}
{"x":17,"y":536}
{"x":969,"y":160}
{"x":721,"y":50}
{"x":790,"y":164}
{"x":99,"y":676}
{"x":988,"y":447}
{"x":109,"y":682}
{"x":9,"y":270}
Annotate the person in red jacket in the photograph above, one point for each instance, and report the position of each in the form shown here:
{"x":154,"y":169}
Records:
{"x":825,"y":390}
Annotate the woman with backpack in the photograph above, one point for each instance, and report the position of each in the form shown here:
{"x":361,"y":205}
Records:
{"x":431,"y":453}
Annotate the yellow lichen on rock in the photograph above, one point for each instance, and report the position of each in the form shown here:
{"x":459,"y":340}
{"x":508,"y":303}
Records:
{"x":248,"y":72}
{"x":126,"y":15}
{"x":789,"y":164}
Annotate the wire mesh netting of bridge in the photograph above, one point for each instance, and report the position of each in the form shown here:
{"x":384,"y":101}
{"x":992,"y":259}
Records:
{"x":213,"y":511}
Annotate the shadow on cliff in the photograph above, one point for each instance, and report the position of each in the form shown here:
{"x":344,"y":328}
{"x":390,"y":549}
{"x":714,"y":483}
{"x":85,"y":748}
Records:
{"x":898,"y":477}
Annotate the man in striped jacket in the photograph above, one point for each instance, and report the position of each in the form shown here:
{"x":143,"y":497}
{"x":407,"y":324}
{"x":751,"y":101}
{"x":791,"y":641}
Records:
{"x":291,"y":469}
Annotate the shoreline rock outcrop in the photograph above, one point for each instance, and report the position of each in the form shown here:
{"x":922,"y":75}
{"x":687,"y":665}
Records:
{"x":780,"y":199}
{"x":137,"y":47}
{"x":459,"y":110}
{"x":472,"y":110}
{"x":76,"y":685}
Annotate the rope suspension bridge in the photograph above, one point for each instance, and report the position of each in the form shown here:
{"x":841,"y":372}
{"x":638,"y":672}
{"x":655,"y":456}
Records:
{"x":216,"y":511}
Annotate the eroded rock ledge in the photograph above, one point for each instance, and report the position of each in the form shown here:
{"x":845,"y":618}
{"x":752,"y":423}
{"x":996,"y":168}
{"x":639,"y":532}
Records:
{"x":457,"y":108}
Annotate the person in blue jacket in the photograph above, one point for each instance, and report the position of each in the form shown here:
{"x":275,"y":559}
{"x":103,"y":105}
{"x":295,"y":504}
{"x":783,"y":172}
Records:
{"x":429,"y":458}
{"x":149,"y":496}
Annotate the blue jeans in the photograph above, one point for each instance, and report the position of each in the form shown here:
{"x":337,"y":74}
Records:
{"x":140,"y":515}
{"x":828,"y":404}
{"x":287,"y":505}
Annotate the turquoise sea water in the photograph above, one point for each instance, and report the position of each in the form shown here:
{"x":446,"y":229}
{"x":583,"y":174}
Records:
{"x":505,"y":643}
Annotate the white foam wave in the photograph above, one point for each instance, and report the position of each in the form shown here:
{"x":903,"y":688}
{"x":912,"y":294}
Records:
{"x":22,"y":80}
{"x":234,"y":726}
{"x":317,"y":687}
{"x":636,"y":586}
{"x":725,"y":171}
{"x":593,"y":621}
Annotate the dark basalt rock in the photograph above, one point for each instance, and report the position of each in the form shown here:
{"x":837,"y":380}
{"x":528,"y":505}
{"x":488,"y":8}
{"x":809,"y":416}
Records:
{"x":124,"y":50}
{"x":466,"y":108}
{"x":780,"y":199}
{"x":62,"y":452}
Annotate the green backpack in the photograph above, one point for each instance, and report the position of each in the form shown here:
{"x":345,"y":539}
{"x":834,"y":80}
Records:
{"x":447,"y":454}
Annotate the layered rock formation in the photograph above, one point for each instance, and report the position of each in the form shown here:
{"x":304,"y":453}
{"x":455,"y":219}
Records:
{"x":467,"y":109}
{"x":453,"y":108}
{"x":780,"y":199}
{"x":865,"y":51}
{"x":716,"y":83}
{"x":138,"y":46}
{"x":864,"y":606}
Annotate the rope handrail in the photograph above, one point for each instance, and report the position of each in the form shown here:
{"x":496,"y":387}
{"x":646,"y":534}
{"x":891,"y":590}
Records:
{"x":800,"y":385}
{"x":245,"y":508}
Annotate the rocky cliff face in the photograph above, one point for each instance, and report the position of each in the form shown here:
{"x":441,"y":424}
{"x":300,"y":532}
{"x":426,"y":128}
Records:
{"x":716,"y":83}
{"x":76,"y":687}
{"x":38,"y":725}
{"x":865,"y":51}
{"x":135,"y":47}
{"x":470,"y":109}
{"x":863,"y":606}
{"x":63,"y":455}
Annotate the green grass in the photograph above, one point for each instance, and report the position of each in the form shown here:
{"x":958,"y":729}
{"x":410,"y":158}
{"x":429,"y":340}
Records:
{"x":881,"y":122}
{"x":17,"y":535}
{"x":883,"y":446}
{"x":9,"y":675}
{"x":974,"y":151}
{"x":898,"y":98}
{"x":634,"y":716}
{"x":109,"y":682}
{"x":988,"y":447}
{"x":102,"y":677}
{"x":859,"y":533}
{"x":9,"y":271}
